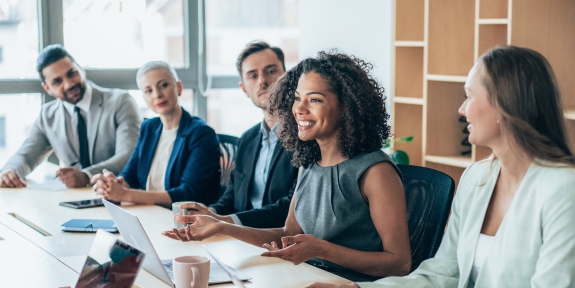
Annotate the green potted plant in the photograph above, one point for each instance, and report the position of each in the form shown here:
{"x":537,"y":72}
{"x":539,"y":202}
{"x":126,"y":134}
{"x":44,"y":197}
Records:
{"x":399,"y":156}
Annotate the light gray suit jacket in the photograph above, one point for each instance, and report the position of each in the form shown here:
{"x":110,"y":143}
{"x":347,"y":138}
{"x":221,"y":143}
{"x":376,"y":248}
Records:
{"x":114,"y":124}
{"x":534,"y":246}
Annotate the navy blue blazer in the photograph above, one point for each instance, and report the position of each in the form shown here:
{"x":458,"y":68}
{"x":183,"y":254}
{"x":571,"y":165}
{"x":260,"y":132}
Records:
{"x":193,"y":172}
{"x":279,"y":186}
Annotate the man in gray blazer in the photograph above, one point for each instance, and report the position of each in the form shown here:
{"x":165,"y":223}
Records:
{"x":88,"y":127}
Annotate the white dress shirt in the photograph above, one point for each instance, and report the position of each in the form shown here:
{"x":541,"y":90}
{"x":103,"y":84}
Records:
{"x":72,"y":124}
{"x":156,"y":177}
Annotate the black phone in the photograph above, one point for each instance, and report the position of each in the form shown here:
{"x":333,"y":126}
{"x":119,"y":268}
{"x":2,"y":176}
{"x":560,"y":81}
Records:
{"x":83,"y":203}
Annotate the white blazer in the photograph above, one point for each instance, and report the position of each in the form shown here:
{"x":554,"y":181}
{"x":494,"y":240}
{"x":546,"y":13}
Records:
{"x":534,"y":246}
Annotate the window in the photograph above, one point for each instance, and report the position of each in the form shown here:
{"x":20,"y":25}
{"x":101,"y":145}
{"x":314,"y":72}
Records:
{"x":110,"y":39}
{"x":124,"y":34}
{"x":15,"y":124}
{"x":231,"y":112}
{"x":230,"y":25}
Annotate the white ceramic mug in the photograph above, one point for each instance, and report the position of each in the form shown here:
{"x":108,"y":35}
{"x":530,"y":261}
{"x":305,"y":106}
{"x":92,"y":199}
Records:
{"x":191,"y":271}
{"x":175,"y":210}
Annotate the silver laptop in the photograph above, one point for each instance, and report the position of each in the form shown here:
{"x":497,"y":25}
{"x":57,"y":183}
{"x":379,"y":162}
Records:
{"x":133,"y":233}
{"x":110,"y":263}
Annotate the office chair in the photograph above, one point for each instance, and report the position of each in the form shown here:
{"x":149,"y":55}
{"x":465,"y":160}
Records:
{"x":429,"y":194}
{"x":228,"y":148}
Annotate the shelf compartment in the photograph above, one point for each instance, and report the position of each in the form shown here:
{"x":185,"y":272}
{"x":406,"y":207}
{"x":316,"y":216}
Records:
{"x":552,"y":23}
{"x":409,"y":43}
{"x":491,"y":36}
{"x":409,"y":20}
{"x":454,"y":172}
{"x":451,"y":39}
{"x":408,"y":100}
{"x":411,"y":124}
{"x":409,"y":71}
{"x":493,"y":8}
{"x":444,"y":131}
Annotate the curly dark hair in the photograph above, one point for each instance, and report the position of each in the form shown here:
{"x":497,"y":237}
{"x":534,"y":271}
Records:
{"x":364,"y":122}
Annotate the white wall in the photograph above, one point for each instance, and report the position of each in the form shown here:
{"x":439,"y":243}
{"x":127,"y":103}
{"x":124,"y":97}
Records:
{"x":359,"y":27}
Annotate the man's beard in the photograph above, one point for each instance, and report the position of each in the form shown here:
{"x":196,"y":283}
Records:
{"x":82,"y":90}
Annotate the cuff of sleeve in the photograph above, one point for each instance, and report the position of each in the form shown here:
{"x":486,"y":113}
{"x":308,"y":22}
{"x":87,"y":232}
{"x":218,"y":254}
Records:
{"x":12,"y":169}
{"x":88,"y":173}
{"x":367,"y":285}
{"x":236,"y":219}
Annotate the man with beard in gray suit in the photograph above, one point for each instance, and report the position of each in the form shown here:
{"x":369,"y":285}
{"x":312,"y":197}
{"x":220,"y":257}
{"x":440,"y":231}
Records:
{"x":88,"y":127}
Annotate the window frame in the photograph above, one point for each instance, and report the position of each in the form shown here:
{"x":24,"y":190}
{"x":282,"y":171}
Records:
{"x":50,"y":30}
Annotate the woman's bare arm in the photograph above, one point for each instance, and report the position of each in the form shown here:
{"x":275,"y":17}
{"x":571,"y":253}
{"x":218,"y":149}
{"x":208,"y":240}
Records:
{"x":205,"y":226}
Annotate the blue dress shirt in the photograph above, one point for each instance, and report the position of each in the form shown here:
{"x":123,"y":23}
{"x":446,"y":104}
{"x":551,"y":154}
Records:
{"x":269,"y":140}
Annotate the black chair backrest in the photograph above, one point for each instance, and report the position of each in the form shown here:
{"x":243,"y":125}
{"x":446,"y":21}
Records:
{"x":429,"y":194}
{"x":228,"y":148}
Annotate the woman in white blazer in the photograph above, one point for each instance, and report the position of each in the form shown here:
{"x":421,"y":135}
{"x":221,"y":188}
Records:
{"x":513,"y":217}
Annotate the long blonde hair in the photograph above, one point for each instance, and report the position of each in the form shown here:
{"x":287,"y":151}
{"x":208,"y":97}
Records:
{"x":523,"y":88}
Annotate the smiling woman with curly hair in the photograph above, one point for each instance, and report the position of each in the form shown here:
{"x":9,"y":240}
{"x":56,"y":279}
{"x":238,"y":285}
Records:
{"x":348,"y":212}
{"x":363,"y":126}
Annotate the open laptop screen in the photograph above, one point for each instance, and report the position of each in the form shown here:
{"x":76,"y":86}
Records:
{"x":110,"y":263}
{"x":134,"y":234}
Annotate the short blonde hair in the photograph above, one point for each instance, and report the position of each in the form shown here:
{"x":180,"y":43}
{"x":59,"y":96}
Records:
{"x":156,"y":65}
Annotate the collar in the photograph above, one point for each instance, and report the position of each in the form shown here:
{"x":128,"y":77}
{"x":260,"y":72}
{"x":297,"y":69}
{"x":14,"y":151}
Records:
{"x":267,"y":133}
{"x":84,"y":104}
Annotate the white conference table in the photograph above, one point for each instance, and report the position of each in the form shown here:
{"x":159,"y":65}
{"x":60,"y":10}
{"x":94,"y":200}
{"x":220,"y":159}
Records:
{"x":44,"y":256}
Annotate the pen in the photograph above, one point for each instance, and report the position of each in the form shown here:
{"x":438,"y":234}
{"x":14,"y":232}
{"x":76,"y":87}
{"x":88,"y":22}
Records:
{"x":71,"y":164}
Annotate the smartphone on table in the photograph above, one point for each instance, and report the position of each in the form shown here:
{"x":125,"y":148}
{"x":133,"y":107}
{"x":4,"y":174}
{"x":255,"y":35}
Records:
{"x":83,"y":203}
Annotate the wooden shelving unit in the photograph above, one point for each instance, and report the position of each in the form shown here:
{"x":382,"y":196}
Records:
{"x":436,"y":44}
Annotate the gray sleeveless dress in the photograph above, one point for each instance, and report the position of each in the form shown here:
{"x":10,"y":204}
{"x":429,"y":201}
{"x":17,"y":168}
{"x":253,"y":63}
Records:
{"x":329,"y":205}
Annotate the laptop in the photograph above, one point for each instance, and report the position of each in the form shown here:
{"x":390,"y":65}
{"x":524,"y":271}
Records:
{"x":231,"y":273}
{"x":133,"y":233}
{"x":110,"y":263}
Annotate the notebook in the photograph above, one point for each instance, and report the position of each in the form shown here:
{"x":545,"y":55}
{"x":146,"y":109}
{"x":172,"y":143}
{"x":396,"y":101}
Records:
{"x":89,"y":225}
{"x":134,"y":234}
{"x":110,"y":263}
